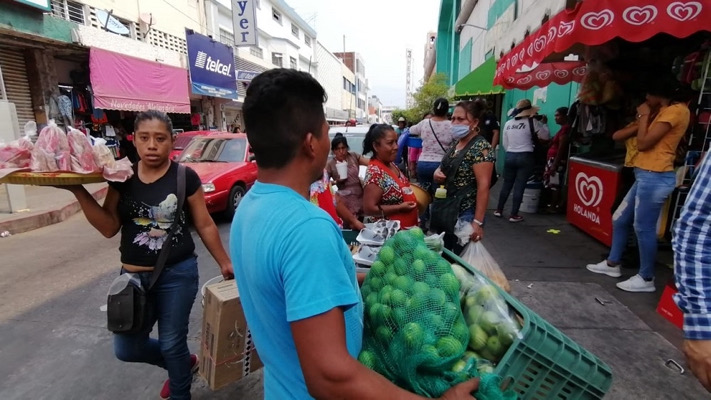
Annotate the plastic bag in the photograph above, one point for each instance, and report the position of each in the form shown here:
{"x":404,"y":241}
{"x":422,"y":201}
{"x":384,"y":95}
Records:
{"x":81,"y":152}
{"x":119,"y":170}
{"x":435,"y":242}
{"x":475,"y":254}
{"x":16,"y":154}
{"x":463,"y":231}
{"x":51,"y":151}
{"x":492,"y":325}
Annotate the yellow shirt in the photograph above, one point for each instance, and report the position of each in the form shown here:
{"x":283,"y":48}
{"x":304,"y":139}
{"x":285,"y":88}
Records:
{"x":632,"y":152}
{"x":660,"y":158}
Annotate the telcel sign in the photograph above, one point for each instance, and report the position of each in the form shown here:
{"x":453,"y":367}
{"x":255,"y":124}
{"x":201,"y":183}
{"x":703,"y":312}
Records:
{"x":211,"y":63}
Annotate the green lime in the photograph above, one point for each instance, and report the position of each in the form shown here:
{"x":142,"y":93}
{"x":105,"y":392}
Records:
{"x":400,"y":316}
{"x":473,"y":314}
{"x":489,"y":320}
{"x":459,"y":366}
{"x":420,"y":287}
{"x":375,"y":284}
{"x":477,"y":338}
{"x":413,"y":335}
{"x":417,"y":303}
{"x":386,"y":255}
{"x":421,"y":253}
{"x":365,"y":291}
{"x":374,"y":311}
{"x":367,"y":358}
{"x":385,"y":297}
{"x":403,"y":283}
{"x":390,"y":277}
{"x":417,"y":234}
{"x":385,"y":313}
{"x":461,"y":332}
{"x":378,"y":268}
{"x":419,"y":268}
{"x":493,"y":344}
{"x":485,"y":294}
{"x":429,"y":354}
{"x":442,"y":267}
{"x":371,"y":300}
{"x":431,"y":280}
{"x":384,"y":334}
{"x":398,"y":297}
{"x":400,"y":267}
{"x":450,"y":284}
{"x":434,"y":322}
{"x":449,"y":346}
{"x":437,"y":297}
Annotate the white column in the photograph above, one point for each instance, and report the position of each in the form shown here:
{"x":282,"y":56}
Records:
{"x":9,"y":131}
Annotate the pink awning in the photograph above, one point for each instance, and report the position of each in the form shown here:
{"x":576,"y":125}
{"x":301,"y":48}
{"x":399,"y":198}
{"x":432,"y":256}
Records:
{"x":126,"y":83}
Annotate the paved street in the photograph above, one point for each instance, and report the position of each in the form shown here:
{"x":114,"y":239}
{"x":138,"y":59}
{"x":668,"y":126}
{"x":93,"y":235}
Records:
{"x":55,"y":345}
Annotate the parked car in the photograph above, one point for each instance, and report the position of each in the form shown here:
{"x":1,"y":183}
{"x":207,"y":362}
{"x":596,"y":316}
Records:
{"x":222,"y":160}
{"x":182,"y":139}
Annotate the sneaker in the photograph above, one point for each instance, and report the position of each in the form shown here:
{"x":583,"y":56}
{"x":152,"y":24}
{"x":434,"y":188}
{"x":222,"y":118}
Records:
{"x":515,"y":218}
{"x":604,"y":268}
{"x":497,"y":213}
{"x":637,"y":284}
{"x":194,"y":366}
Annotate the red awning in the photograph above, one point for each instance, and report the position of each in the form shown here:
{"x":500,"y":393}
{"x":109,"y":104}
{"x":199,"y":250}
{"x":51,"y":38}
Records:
{"x":547,"y":73}
{"x":126,"y":83}
{"x":595,"y":22}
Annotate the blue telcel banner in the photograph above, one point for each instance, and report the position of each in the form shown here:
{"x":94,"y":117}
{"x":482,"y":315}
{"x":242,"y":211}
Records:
{"x":211,"y":64}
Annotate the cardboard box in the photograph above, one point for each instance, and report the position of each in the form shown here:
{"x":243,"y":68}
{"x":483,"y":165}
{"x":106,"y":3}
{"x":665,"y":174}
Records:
{"x":667,"y":308}
{"x":227,"y":351}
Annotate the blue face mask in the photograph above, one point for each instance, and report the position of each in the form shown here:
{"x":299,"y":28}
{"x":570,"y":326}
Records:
{"x":460,"y":131}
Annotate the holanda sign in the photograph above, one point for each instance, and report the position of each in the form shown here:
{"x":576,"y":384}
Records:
{"x":591,"y":196}
{"x":211,"y":64}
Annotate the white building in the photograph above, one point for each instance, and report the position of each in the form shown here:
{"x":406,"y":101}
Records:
{"x":375,"y":110}
{"x":348,"y":93}
{"x":329,"y":73}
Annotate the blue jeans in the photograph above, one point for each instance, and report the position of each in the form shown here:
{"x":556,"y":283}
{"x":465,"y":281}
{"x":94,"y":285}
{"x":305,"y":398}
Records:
{"x":641,"y":208}
{"x":425,"y":179}
{"x":517,"y":169}
{"x":170,"y":302}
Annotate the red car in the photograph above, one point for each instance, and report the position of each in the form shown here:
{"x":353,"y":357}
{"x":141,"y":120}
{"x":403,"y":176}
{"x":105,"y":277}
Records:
{"x":183,"y":139}
{"x":222,"y":160}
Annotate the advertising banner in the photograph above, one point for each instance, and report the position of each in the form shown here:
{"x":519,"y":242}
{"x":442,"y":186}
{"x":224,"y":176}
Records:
{"x":244,"y":20}
{"x":211,"y":65}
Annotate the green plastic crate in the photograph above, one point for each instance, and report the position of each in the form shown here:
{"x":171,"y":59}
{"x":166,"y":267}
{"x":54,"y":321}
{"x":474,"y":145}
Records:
{"x":545,"y":364}
{"x":349,"y":235}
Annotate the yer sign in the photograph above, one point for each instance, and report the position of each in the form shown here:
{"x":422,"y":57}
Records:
{"x":244,"y":19}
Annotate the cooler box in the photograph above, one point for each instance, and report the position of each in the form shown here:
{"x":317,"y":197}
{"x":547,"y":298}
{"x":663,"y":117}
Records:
{"x":227,"y":350}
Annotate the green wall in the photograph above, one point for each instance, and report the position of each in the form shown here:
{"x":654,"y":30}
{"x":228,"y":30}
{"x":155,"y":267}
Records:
{"x":465,"y":60}
{"x":497,"y":9}
{"x":32,"y":21}
{"x":448,"y":41}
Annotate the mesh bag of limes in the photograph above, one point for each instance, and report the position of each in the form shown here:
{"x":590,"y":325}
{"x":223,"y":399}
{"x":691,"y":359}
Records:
{"x":428,"y":327}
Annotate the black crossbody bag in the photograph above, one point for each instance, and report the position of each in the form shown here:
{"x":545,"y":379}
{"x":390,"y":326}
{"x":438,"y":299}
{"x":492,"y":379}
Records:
{"x":445,"y":212}
{"x":127,"y":301}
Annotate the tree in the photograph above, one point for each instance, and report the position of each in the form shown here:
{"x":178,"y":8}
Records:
{"x":424,"y":98}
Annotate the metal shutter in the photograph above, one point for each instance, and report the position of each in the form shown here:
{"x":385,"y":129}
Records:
{"x":14,"y":73}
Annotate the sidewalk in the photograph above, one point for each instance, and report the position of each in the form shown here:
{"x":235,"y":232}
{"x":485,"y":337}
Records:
{"x":45,"y":206}
{"x":547,"y":273}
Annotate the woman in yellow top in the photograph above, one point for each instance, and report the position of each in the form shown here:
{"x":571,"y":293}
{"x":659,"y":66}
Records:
{"x":655,"y":181}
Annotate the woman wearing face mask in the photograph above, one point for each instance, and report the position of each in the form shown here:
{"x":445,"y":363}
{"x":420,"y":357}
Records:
{"x":387,"y":193}
{"x":465,"y":172}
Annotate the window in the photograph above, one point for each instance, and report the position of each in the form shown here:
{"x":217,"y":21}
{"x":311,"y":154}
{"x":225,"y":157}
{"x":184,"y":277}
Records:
{"x":295,"y":30}
{"x":257,"y":52}
{"x":69,"y":10}
{"x":227,"y":37}
{"x":292,"y":63}
{"x":276,"y":15}
{"x":307,"y":40}
{"x":277,"y":59}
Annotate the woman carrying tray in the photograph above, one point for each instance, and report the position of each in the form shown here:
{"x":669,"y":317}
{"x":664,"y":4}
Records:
{"x":143,"y":209}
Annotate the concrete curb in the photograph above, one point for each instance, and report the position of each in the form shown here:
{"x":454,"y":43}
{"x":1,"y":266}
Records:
{"x":25,"y":222}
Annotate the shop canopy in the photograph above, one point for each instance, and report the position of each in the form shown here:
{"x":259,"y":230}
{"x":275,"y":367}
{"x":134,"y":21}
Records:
{"x":479,"y":81}
{"x":126,"y":83}
{"x":593,"y":23}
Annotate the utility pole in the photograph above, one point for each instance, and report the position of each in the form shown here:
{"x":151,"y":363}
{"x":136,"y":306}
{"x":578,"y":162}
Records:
{"x":408,"y":79}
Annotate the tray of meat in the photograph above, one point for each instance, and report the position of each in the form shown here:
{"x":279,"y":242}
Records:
{"x":51,"y":178}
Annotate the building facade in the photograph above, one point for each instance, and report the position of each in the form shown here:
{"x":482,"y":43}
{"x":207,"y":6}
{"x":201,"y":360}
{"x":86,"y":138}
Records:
{"x":355,"y":62}
{"x":375,"y":110}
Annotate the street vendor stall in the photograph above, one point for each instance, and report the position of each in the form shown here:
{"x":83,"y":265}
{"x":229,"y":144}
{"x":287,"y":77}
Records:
{"x":614,"y":49}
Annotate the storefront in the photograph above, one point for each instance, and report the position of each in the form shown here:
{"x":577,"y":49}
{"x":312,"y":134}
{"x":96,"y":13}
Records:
{"x":618,"y":47}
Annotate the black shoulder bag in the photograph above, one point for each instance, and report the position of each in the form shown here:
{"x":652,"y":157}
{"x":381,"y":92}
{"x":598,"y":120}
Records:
{"x":435,"y":135}
{"x":445,"y":212}
{"x":127,"y":302}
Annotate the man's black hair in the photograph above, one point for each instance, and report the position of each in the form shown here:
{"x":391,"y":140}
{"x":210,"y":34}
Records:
{"x":281,"y":107}
{"x":153,"y":114}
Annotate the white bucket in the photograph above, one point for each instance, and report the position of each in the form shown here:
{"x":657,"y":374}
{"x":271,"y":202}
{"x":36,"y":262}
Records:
{"x":531,"y":199}
{"x":212,"y":281}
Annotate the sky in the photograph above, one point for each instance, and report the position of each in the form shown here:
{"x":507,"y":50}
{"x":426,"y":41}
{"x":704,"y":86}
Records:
{"x":380,"y":30}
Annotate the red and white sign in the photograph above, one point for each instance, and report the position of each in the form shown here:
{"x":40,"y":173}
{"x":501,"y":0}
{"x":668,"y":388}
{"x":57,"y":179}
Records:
{"x":591,"y":193}
{"x":596,"y":22}
{"x":557,"y":72}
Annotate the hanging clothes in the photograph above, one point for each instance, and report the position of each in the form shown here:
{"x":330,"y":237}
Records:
{"x":65,"y":106}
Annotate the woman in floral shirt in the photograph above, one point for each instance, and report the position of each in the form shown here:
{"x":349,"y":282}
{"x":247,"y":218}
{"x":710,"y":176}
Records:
{"x":470,"y":180}
{"x":387,"y":193}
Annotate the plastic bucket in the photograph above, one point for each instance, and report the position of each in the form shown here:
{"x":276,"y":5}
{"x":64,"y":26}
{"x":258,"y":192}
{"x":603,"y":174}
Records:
{"x":212,"y":281}
{"x":531,"y":198}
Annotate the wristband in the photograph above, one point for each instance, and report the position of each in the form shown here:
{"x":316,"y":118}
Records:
{"x":476,"y":221}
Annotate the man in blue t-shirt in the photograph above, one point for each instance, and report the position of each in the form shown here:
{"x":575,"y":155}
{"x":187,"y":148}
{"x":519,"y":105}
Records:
{"x":295,"y":275}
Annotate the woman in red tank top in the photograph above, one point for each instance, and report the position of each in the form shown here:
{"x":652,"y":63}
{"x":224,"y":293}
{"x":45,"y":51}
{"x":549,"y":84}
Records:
{"x":387,"y":193}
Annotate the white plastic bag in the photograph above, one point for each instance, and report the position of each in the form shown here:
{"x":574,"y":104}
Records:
{"x":463,"y":231}
{"x":475,"y":254}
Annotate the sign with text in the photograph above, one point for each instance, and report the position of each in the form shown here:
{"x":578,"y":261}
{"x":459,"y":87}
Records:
{"x":246,"y":76}
{"x":211,"y":65}
{"x":244,"y":19}
{"x":591,"y":194}
{"x":43,"y":5}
